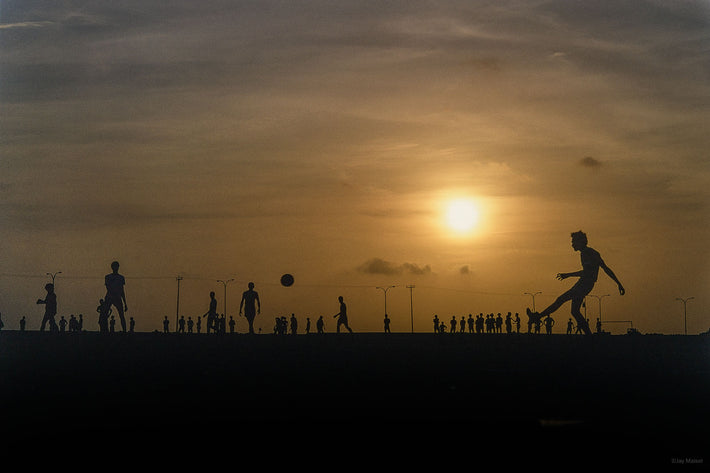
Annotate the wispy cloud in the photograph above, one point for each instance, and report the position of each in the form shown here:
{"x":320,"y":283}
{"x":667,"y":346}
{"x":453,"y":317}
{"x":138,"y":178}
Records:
{"x":25,"y":24}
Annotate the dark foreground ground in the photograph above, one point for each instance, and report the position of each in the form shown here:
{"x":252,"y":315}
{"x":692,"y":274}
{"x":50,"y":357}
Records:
{"x":362,"y":400}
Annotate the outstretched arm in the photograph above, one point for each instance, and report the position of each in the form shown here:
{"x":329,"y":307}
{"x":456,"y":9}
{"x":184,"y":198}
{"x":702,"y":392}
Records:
{"x":611,"y":274}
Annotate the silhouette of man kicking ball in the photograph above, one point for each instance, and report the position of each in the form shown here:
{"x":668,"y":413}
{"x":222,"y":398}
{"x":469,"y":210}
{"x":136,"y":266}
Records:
{"x":591,"y":262}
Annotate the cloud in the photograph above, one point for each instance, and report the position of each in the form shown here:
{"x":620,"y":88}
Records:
{"x":380,"y":266}
{"x":589,"y":162}
{"x":25,"y":24}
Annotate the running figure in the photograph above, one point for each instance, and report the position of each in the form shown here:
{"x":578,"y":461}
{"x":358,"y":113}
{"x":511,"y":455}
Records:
{"x":591,"y":262}
{"x":342,"y":316}
{"x":251,"y":305}
{"x":115,"y":293}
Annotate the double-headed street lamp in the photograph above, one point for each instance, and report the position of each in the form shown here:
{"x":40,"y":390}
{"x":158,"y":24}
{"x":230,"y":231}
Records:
{"x":224,"y":283}
{"x":533,"y":294}
{"x":385,"y":289}
{"x":685,"y":311}
{"x":53,"y":276}
{"x":599,"y":298}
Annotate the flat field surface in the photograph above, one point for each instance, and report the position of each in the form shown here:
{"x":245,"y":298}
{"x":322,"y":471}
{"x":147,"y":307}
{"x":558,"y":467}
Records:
{"x":395,"y":399}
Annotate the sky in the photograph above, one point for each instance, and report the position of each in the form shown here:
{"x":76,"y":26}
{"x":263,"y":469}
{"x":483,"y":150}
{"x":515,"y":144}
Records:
{"x":242,"y":140}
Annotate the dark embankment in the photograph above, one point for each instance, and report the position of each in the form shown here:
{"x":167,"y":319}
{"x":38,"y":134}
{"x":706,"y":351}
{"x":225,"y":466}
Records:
{"x":416,"y":396}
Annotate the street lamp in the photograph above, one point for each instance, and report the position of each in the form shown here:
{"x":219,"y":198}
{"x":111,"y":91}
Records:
{"x":224,"y":283}
{"x":599,"y":298}
{"x":53,"y":276}
{"x":177,"y":305}
{"x":411,"y":304}
{"x":533,"y":294}
{"x":385,"y":289}
{"x":685,"y":311}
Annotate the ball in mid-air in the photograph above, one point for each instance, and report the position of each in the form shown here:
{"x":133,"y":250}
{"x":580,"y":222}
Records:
{"x":286,"y":280}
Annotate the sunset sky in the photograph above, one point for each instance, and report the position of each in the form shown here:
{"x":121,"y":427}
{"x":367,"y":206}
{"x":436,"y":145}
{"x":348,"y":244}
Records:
{"x":247,"y":139}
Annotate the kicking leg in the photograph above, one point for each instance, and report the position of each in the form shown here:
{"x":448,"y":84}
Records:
{"x":537,"y":316}
{"x":577,"y":314}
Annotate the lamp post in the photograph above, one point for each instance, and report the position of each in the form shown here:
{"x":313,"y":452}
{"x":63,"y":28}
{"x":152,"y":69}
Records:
{"x":411,"y":304}
{"x":385,"y":289}
{"x":685,"y":311}
{"x":53,"y":276}
{"x":599,"y":298}
{"x":533,"y":294}
{"x":224,"y":283}
{"x":177,"y":305}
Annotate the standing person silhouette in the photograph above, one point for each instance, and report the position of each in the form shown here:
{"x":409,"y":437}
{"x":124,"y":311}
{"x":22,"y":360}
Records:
{"x":591,"y":262}
{"x":211,"y":313}
{"x":342,"y":316}
{"x":50,"y":308}
{"x":251,"y":305}
{"x":115,"y":292}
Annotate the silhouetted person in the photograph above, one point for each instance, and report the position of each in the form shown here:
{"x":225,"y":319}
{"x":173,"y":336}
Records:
{"x":181,"y":324}
{"x":599,"y":326}
{"x":23,"y":323}
{"x":342,"y":316}
{"x":232,"y":323}
{"x":471,"y":323}
{"x":112,"y":324}
{"x":509,"y":323}
{"x":251,"y":305}
{"x":549,"y":323}
{"x":308,"y":325}
{"x":436,"y":323}
{"x":387,"y":324}
{"x":62,"y":324}
{"x":517,"y":322}
{"x":132,"y":325}
{"x":166,"y":325}
{"x":320,"y":325}
{"x":1,"y":322}
{"x":570,"y":326}
{"x":116,"y":293}
{"x":50,"y":308}
{"x":591,"y":262}
{"x":211,"y":313}
{"x":294,"y":324}
{"x":104,"y":310}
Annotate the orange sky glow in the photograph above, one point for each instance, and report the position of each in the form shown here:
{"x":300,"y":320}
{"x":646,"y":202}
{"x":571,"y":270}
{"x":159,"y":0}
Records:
{"x":217,"y":140}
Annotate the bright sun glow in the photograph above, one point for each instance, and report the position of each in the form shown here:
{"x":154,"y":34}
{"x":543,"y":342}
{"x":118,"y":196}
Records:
{"x":462,"y":215}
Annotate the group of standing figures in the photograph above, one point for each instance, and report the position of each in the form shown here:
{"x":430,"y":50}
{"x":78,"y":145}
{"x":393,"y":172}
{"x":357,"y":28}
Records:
{"x":250,"y":305}
{"x":115,"y":297}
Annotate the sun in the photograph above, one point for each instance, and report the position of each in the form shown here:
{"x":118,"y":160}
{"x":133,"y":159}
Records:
{"x":462,"y":215}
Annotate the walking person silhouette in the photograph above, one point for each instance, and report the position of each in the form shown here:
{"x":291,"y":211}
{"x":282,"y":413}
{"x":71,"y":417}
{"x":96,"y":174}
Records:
{"x":342,"y":316}
{"x":50,"y":308}
{"x":116,"y":293}
{"x":251,"y":305}
{"x":211,"y":313}
{"x":591,"y":262}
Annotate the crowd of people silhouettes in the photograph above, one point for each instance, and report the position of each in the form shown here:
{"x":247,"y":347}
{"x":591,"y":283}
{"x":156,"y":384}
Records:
{"x":250,"y":307}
